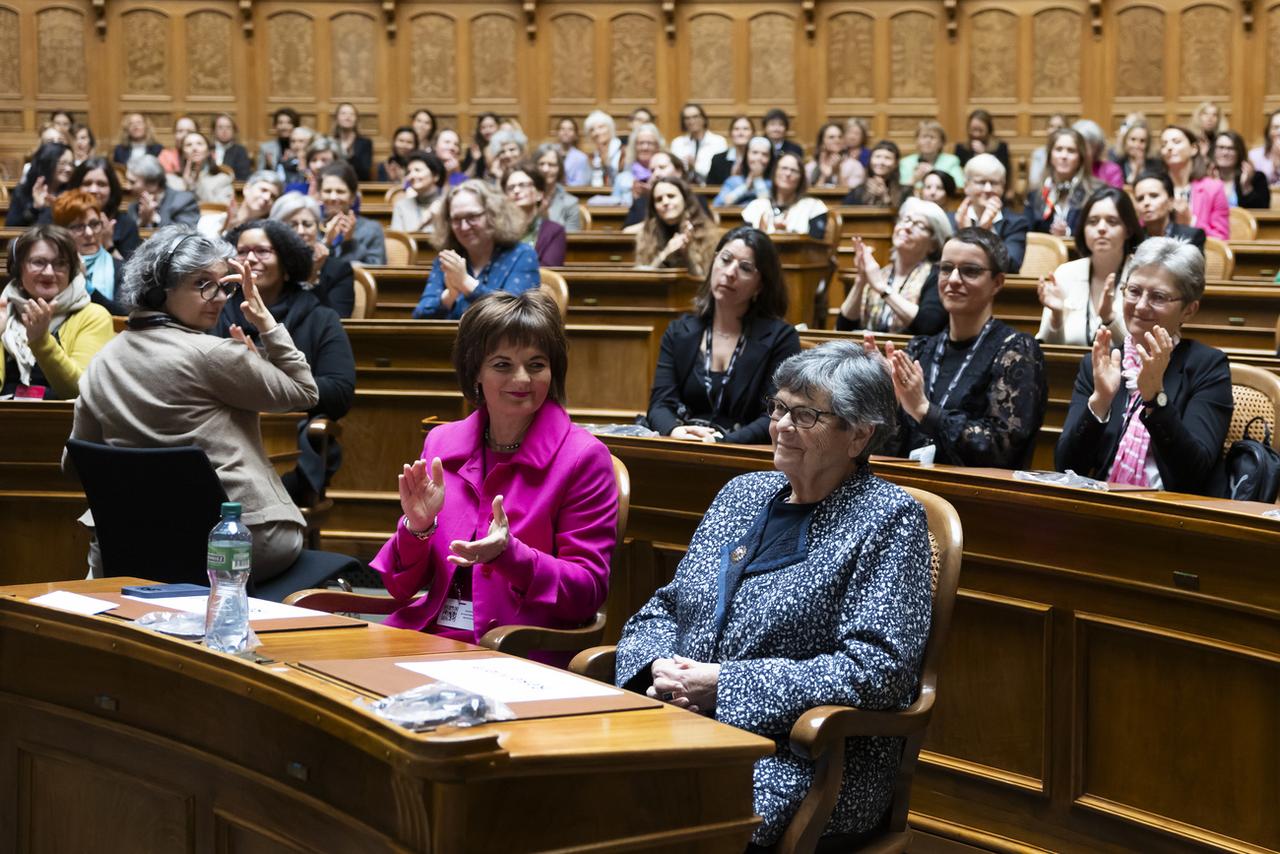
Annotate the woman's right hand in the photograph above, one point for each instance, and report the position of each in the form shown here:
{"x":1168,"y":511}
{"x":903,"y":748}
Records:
{"x":319,"y":254}
{"x":39,"y":194}
{"x":1106,"y":373}
{"x":146,"y":208}
{"x":1051,"y":295}
{"x":1181,"y":211}
{"x":422,"y":493}
{"x":695,"y":433}
{"x":1058,"y":229}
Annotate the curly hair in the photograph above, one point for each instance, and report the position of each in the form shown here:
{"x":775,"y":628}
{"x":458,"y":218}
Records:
{"x":655,"y":234}
{"x":504,"y":218}
{"x":292,"y":252}
{"x":162,"y":262}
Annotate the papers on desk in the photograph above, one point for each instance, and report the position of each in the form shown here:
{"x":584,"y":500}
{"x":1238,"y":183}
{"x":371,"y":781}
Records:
{"x":510,"y":680}
{"x":259,"y":609}
{"x":73,"y":602}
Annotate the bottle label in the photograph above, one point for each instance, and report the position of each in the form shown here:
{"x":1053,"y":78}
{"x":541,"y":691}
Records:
{"x":229,"y":558}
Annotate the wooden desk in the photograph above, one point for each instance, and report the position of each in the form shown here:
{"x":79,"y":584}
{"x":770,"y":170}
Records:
{"x":1112,"y":679}
{"x":158,"y":744}
{"x":1256,"y":259}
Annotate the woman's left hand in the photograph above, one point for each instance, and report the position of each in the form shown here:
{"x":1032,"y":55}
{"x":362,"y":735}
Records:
{"x":908,"y":385}
{"x":36,"y":316}
{"x":1155,"y":359}
{"x":253,"y":306}
{"x":696,"y":433}
{"x":456,"y":278}
{"x":490,"y":547}
{"x":700,"y":682}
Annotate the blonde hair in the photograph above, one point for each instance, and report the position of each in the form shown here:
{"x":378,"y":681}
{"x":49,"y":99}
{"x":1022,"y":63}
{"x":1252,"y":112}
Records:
{"x":124,"y":128}
{"x":504,"y":218}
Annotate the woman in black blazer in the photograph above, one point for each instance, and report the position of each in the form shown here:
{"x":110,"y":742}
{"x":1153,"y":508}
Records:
{"x":1153,"y":199}
{"x":1164,"y":428}
{"x":716,"y":365}
{"x":357,"y":149}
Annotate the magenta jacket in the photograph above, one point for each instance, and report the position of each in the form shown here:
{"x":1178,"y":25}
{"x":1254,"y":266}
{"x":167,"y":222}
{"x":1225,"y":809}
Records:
{"x":561,"y":500}
{"x":1209,"y":208}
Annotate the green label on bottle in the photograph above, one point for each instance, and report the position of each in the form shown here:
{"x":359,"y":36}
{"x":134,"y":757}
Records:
{"x":229,"y":558}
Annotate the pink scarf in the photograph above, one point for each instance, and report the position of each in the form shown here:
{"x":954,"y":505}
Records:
{"x":1130,"y":465}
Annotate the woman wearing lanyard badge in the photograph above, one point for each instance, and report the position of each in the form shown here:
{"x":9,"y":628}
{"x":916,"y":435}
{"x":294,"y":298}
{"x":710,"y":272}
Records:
{"x":976,"y":391}
{"x":715,"y":364}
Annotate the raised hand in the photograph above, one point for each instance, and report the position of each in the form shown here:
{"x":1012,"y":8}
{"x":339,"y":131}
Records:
{"x":1106,"y":373}
{"x":1154,"y":352}
{"x":146,"y":208}
{"x":1181,"y":211}
{"x":36,"y":316}
{"x":240,"y":335}
{"x":422,"y":493}
{"x":489,"y":547}
{"x":908,"y":384}
{"x":253,"y":306}
{"x":39,"y":194}
{"x":1051,"y":295}
{"x":1107,"y":305}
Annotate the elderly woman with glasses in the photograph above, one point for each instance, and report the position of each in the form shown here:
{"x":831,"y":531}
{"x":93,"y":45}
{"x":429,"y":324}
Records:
{"x":165,"y":383}
{"x":804,"y":586}
{"x":1154,"y":410}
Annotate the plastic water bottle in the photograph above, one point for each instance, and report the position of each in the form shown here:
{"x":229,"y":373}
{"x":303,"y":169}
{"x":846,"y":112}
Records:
{"x":226,"y":622}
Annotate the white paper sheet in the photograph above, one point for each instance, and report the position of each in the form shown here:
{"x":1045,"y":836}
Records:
{"x":64,"y":600}
{"x":259,"y":609}
{"x":510,"y":680}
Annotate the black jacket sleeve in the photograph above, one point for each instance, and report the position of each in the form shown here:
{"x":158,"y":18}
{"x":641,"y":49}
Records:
{"x":1256,"y":195}
{"x":664,"y":397}
{"x":337,"y":288}
{"x":785,"y":344}
{"x":21,"y":214}
{"x":1080,"y":447}
{"x":1015,"y":240}
{"x":362,"y":158}
{"x":238,"y":159}
{"x":930,"y":317}
{"x":1188,"y":434}
{"x":332,"y":364}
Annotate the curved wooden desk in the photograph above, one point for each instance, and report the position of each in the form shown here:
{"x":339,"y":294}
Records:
{"x":110,"y":732}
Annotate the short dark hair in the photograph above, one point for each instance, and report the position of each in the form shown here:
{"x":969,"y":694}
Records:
{"x":44,"y":163}
{"x":62,"y":241}
{"x":1134,"y":232}
{"x":528,"y":319}
{"x":342,"y":169}
{"x":1155,"y":175}
{"x":294,"y":254}
{"x":771,"y":302}
{"x":529,"y":168}
{"x":435,"y":125}
{"x":116,"y":192}
{"x":75,"y":131}
{"x":990,"y":244}
{"x":287,"y":111}
{"x":777,"y":115}
{"x":429,"y":159}
{"x":948,"y":182}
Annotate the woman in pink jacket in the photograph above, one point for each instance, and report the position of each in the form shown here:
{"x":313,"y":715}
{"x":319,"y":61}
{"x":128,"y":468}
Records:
{"x":1199,"y":201}
{"x":510,"y":515}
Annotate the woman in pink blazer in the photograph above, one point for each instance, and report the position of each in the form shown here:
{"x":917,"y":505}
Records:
{"x":1200,"y":201}
{"x":510,"y":515}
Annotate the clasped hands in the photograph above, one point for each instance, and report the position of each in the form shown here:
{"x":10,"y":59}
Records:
{"x":986,"y":214}
{"x":1154,"y":350}
{"x":422,"y":498}
{"x":907,"y":376}
{"x":457,"y":281}
{"x":685,"y":683}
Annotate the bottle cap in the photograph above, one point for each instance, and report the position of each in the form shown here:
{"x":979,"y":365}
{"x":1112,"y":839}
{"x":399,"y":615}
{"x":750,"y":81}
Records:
{"x":231,"y":508}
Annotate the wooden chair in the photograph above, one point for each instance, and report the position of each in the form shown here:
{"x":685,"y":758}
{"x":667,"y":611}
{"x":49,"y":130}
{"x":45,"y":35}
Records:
{"x":1219,"y":260}
{"x":555,"y":285}
{"x":1256,"y":392}
{"x":1244,"y":225}
{"x":401,"y":248}
{"x":584,"y":216}
{"x":366,"y":292}
{"x":819,"y":735}
{"x":1045,"y":253}
{"x":321,"y":432}
{"x":211,"y":208}
{"x":4,"y":192}
{"x":835,"y":226}
{"x":514,"y":640}
{"x":393,"y":195}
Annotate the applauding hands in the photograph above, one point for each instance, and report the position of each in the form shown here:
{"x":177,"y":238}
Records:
{"x":907,"y":376}
{"x":421,"y":500}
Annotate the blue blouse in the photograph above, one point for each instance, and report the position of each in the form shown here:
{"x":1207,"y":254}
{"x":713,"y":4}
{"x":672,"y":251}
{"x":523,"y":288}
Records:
{"x":514,"y":269}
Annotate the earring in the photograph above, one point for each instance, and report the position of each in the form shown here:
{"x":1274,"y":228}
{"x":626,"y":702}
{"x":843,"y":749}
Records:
{"x":479,"y":394}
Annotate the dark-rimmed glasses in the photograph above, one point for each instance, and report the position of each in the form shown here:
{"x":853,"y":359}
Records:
{"x":801,"y":416}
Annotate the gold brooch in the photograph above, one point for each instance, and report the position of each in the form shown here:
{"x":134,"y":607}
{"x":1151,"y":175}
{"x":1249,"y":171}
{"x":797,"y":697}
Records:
{"x":738,"y":554}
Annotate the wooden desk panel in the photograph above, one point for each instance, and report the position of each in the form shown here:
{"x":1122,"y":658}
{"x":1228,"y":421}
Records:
{"x":1256,"y":259}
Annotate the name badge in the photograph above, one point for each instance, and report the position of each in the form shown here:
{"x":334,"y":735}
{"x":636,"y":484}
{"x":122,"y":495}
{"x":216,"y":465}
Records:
{"x":29,"y":392}
{"x":457,"y":611}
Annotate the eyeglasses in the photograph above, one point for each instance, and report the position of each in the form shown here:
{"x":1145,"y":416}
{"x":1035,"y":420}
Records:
{"x":968,"y":272}
{"x":519,"y":186}
{"x":1155,"y":299}
{"x":471,"y":220}
{"x":746,"y":268}
{"x":37,"y":265}
{"x":261,"y":252}
{"x":916,"y":225}
{"x":209,"y":290}
{"x":801,"y":416}
{"x":85,"y":227}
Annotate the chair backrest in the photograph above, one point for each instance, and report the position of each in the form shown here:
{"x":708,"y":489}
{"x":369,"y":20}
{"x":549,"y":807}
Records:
{"x":622,"y":478}
{"x":1045,"y":253}
{"x":1219,"y":260}
{"x":207,"y":208}
{"x":584,"y":216}
{"x":366,"y":292}
{"x":401,"y":248}
{"x":152,"y":508}
{"x":393,"y":195}
{"x":835,"y":225}
{"x":1244,"y":225}
{"x":555,"y":285}
{"x":1256,"y":393}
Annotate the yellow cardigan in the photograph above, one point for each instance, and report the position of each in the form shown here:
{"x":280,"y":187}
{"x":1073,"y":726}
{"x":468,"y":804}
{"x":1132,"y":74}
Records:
{"x":82,"y":335}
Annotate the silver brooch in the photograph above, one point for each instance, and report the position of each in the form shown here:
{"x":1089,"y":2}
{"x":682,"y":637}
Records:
{"x":738,"y":554}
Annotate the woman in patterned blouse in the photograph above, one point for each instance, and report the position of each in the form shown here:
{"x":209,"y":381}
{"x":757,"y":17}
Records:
{"x":803,"y":586}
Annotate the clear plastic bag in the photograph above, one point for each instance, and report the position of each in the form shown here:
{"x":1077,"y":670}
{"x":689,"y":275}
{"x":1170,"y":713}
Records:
{"x":1272,"y":514}
{"x":1062,"y":478}
{"x":620,"y":430}
{"x":178,"y":623}
{"x":437,"y":704}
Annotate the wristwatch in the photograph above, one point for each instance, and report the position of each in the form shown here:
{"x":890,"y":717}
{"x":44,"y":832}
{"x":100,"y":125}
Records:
{"x":1160,"y":401}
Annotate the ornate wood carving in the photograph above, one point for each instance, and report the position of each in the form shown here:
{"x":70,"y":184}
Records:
{"x":993,"y":67}
{"x":1056,"y":51}
{"x":1246,"y":17}
{"x":10,"y":56}
{"x":389,"y":18}
{"x":573,"y":59}
{"x":633,"y":52}
{"x":433,"y":72}
{"x":912,"y":36}
{"x":353,"y":45}
{"x":949,"y":6}
{"x":60,"y":66}
{"x":1273,"y":51}
{"x":530,"y":18}
{"x":246,"y":17}
{"x":810,"y":26}
{"x":209,"y":53}
{"x":146,"y":52}
{"x":669,"y":17}
{"x":291,"y":55}
{"x":851,"y":53}
{"x":1205,"y":51}
{"x":493,"y":56}
{"x":710,"y":57}
{"x":1095,"y":17}
{"x":1139,"y":38}
{"x":100,"y":17}
{"x":772,"y":41}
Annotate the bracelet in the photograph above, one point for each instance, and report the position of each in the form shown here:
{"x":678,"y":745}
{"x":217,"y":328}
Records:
{"x":422,"y":535}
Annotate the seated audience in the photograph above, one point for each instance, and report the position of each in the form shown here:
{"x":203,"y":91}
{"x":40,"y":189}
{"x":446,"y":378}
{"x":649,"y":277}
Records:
{"x":476,"y":163}
{"x":83,"y":143}
{"x":171,"y":158}
{"x":904,"y":296}
{"x":857,"y":141}
{"x":156,"y":205}
{"x":805,"y":586}
{"x":80,"y":213}
{"x":506,"y":148}
{"x":982,"y":140}
{"x":716,"y":364}
{"x":940,"y":188}
{"x":676,"y":231}
{"x":777,"y":124}
{"x":1206,"y":123}
{"x":983,"y":207}
{"x":515,"y":489}
{"x":1266,"y":157}
{"x":607,"y":152}
{"x":163,"y":382}
{"x":524,"y":187}
{"x":639,"y":116}
{"x":320,"y":154}
{"x":281,"y":265}
{"x":275,"y":151}
{"x":1156,"y":412}
{"x":137,"y":137}
{"x":227,"y":151}
{"x":51,"y":169}
{"x":664,"y":164}
{"x":733,"y":160}
{"x":752,"y":182}
{"x":1101,"y":168}
{"x":293,"y":165}
{"x":1198,"y":200}
{"x":354,"y":148}
{"x":559,"y":204}
{"x":350,"y":236}
{"x":198,"y":174}
{"x":577,"y":167}
{"x":698,"y":144}
{"x":1038,"y":163}
{"x":1135,"y":150}
{"x":331,"y":279}
{"x":51,"y":328}
{"x":1153,"y":199}
{"x":478,"y":234}
{"x":789,"y":207}
{"x":1054,"y":206}
{"x":98,"y":177}
{"x":448,"y":148}
{"x":1080,"y":297}
{"x":62,"y":120}
{"x":929,"y":155}
{"x":883,"y":185}
{"x":260,"y":193}
{"x":976,"y":391}
{"x":634,"y":178}
{"x":416,"y":207}
{"x":404,"y":141}
{"x":425,"y":128}
{"x":830,"y":166}
{"x":1245,"y":186}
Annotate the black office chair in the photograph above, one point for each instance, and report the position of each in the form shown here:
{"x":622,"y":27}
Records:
{"x":153,"y":509}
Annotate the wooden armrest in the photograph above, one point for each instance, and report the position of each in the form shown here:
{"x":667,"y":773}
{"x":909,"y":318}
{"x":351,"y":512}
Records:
{"x":323,"y":429}
{"x":339,"y":601}
{"x":521,"y":640}
{"x":597,"y":663}
{"x":824,"y":726}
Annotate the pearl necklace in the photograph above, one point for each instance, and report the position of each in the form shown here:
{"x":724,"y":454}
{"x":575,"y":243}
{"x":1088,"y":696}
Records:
{"x":504,"y":449}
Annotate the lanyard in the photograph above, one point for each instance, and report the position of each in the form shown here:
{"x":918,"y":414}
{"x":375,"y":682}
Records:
{"x":937,"y":360}
{"x":886,"y":310}
{"x":728,"y":371}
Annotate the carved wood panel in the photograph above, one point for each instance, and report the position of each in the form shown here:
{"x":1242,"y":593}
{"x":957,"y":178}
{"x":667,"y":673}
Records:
{"x":633,"y":42}
{"x":353,"y":39}
{"x":209,"y":60}
{"x":493,"y":56}
{"x":850,"y":55}
{"x":433,"y":67}
{"x":993,"y":65}
{"x":291,"y":57}
{"x":1273,"y":50}
{"x":772,"y":58}
{"x":911,"y":70}
{"x":1056,"y":37}
{"x":710,"y":57}
{"x":1205,"y":51}
{"x":573,"y":57}
{"x":10,"y":56}
{"x":60,"y":52}
{"x":146,"y":52}
{"x":1139,"y":47}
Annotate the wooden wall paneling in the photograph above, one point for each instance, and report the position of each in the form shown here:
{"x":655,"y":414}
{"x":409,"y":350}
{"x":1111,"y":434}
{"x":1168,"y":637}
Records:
{"x":496,"y":52}
{"x":1138,"y":51}
{"x":1266,"y":66}
{"x":429,"y":50}
{"x":919,"y":60}
{"x":847,"y":54}
{"x":287,"y":40}
{"x":638,"y":65}
{"x":354,"y":60}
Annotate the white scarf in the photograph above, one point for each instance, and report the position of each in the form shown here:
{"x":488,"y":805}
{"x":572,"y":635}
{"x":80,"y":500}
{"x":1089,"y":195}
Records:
{"x":14,"y":337}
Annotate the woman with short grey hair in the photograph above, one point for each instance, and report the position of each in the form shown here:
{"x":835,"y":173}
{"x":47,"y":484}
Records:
{"x":506,"y":148}
{"x":1154,"y":413}
{"x":802,"y":587}
{"x":332,"y":279}
{"x":156,"y":205}
{"x":165,"y":383}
